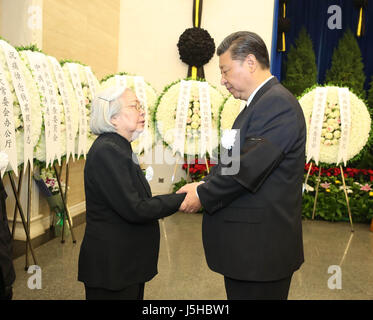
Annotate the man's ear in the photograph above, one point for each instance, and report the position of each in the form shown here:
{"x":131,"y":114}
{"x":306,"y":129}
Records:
{"x":251,"y":62}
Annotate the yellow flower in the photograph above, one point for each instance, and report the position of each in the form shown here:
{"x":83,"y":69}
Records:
{"x":337,"y":182}
{"x":371,"y":194}
{"x":327,"y":190}
{"x":195,"y":125}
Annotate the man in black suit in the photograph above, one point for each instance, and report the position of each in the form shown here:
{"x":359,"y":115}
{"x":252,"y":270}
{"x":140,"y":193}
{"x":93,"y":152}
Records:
{"x":252,"y":229}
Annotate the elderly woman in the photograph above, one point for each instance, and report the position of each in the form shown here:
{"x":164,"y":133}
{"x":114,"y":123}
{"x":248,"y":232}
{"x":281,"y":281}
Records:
{"x":119,"y":252}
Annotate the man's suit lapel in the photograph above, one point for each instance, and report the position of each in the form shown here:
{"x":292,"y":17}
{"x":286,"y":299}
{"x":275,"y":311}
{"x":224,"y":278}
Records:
{"x":262,"y":91}
{"x":242,"y":120}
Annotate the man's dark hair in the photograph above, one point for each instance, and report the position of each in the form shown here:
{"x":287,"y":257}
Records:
{"x":243,"y":43}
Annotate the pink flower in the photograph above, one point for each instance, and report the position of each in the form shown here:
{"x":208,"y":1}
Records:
{"x":325,"y":185}
{"x":366,"y":187}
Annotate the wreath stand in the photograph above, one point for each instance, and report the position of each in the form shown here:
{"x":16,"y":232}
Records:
{"x":18,"y":207}
{"x":317,"y":191}
{"x":65,"y":213}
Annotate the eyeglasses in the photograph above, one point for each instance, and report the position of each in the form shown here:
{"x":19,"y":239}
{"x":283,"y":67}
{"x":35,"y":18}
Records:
{"x":139,"y":107}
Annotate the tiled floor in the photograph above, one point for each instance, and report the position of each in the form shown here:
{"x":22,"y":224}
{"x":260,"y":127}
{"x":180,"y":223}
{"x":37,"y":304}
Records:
{"x":183,"y":272}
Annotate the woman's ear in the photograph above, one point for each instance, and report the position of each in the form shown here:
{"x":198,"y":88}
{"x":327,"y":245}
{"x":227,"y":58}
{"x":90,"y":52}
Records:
{"x":114,"y":120}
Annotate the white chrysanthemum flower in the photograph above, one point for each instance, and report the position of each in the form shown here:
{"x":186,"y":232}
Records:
{"x":229,"y":113}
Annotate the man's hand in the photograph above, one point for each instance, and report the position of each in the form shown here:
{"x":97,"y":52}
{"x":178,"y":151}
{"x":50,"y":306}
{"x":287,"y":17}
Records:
{"x":191,"y":202}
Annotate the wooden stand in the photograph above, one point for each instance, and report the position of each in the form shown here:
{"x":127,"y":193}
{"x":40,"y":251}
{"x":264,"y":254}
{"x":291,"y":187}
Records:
{"x":344,"y":189}
{"x":66,"y":213}
{"x":25,"y":222}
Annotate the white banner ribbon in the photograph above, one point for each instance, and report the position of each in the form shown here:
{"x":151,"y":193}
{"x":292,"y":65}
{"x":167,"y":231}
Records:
{"x":314,"y":135}
{"x":7,"y":129}
{"x":14,"y":65}
{"x":145,"y":137}
{"x":39,"y":65}
{"x":75,"y":79}
{"x":344,"y":108}
{"x":181,"y":117}
{"x":67,"y":103}
{"x":121,"y":81}
{"x":91,"y":82}
{"x":206,"y":126}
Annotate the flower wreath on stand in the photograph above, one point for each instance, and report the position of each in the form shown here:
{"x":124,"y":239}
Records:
{"x":165,"y":116}
{"x":357,"y":124}
{"x":40,"y":150}
{"x":165,"y":122}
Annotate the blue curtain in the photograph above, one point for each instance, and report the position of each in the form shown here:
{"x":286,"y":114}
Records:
{"x":313,"y":15}
{"x":276,"y":56}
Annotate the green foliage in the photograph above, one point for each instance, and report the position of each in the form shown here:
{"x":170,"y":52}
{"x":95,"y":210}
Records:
{"x":331,"y":201}
{"x":347,"y":66}
{"x":365,"y":160}
{"x":179,"y":184}
{"x":112,"y":75}
{"x":301,"y":70}
{"x":30,"y":47}
{"x":62,"y":62}
{"x":370,"y":96}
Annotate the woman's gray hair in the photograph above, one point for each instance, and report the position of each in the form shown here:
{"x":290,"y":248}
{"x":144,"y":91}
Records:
{"x":105,"y":106}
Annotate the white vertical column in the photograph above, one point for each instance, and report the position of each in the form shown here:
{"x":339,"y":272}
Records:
{"x":22,"y":22}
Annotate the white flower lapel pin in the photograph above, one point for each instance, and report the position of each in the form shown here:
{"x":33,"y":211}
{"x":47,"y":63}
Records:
{"x":149,"y":173}
{"x":228,"y":138}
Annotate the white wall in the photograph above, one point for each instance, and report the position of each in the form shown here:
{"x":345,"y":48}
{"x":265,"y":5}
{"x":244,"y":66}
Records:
{"x":150,"y":31}
{"x":148,"y":37}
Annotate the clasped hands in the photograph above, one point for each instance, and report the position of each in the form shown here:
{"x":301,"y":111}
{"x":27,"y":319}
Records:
{"x":191,"y":202}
